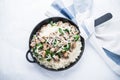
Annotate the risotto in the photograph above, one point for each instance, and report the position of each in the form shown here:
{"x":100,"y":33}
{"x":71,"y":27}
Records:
{"x":56,"y":45}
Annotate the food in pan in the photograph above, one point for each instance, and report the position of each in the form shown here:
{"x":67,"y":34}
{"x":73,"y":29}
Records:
{"x":56,"y":45}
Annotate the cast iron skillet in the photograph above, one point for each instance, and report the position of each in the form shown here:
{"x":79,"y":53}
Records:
{"x":39,"y":26}
{"x":98,"y":21}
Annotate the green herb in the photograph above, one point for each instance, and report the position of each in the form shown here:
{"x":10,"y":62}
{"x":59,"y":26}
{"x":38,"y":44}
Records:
{"x":34,"y":36}
{"x":59,"y":53}
{"x":76,"y":37}
{"x":55,"y":42}
{"x":39,"y":45}
{"x":48,"y":55}
{"x":35,"y":49}
{"x":35,"y":52}
{"x":60,"y":31}
{"x":66,"y":47}
{"x":66,"y":30}
{"x":48,"y":59}
{"x":52,"y":23}
{"x":40,"y":57}
{"x":48,"y":52}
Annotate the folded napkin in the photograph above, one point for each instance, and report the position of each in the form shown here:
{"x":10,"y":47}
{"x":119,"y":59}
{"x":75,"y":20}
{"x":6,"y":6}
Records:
{"x":103,"y":39}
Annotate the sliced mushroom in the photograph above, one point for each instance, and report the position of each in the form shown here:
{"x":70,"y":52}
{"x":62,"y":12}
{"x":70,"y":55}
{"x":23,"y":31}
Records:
{"x":42,"y":40}
{"x":65,"y":55}
{"x":43,"y":54}
{"x":66,"y":36}
{"x":37,"y":41}
{"x":52,"y":49}
{"x":66,"y":24}
{"x":45,"y":46}
{"x":73,"y":45}
{"x":56,"y":48}
{"x":38,"y":33}
{"x":77,"y":32}
{"x":56,"y":58}
{"x":32,"y":44}
{"x":59,"y":23}
{"x":50,"y":46}
{"x":72,"y":39}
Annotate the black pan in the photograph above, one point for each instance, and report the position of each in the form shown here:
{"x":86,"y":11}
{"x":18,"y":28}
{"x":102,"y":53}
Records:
{"x":39,"y":26}
{"x":56,"y":19}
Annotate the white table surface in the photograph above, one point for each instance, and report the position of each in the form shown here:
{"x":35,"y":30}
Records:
{"x":19,"y":17}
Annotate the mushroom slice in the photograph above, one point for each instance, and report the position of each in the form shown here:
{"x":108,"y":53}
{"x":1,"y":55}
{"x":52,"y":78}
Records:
{"x":37,"y":41}
{"x":42,"y":40}
{"x":32,"y":44}
{"x":56,"y":57}
{"x":65,"y":55}
{"x":43,"y":54}
{"x":59,"y":23}
{"x":45,"y":46}
{"x":73,"y":45}
{"x":52,"y":49}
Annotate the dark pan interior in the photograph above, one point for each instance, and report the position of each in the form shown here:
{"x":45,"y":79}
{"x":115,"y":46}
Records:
{"x":56,"y":19}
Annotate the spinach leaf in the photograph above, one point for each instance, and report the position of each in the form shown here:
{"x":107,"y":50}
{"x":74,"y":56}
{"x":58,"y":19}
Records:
{"x":49,"y":53}
{"x":34,"y":36}
{"x":66,"y":30}
{"x":59,"y":54}
{"x":76,"y":37}
{"x":39,"y":45}
{"x":52,"y":23}
{"x":66,"y":47}
{"x":34,"y":51}
{"x":61,"y":31}
{"x":55,"y":42}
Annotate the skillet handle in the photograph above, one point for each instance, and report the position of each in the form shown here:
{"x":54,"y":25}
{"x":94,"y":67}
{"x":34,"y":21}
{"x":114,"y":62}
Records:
{"x":27,"y":57}
{"x":103,"y":19}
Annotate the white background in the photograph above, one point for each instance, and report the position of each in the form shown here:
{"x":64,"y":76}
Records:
{"x":19,"y":17}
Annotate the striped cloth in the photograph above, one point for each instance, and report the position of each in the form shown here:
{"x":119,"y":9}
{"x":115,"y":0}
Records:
{"x":108,"y":48}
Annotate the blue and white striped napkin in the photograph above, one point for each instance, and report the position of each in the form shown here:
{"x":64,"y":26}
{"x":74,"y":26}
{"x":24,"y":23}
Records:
{"x":104,"y":42}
